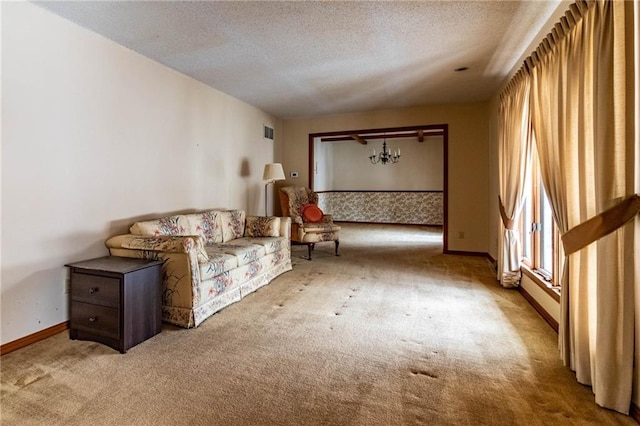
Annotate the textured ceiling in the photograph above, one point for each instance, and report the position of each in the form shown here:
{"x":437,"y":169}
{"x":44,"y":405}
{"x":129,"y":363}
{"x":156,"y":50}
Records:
{"x":307,"y":58}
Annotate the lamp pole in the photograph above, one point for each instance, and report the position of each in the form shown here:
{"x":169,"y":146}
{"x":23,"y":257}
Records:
{"x":266,"y":199}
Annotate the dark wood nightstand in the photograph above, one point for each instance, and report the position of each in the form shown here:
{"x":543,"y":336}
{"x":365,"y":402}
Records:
{"x":116,"y":301}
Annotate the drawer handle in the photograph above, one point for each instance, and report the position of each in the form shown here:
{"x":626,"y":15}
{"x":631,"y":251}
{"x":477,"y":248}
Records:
{"x":93,"y":319}
{"x":93,"y":290}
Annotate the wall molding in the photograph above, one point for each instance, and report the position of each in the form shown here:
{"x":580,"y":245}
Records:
{"x":443,"y":128}
{"x":388,"y":223}
{"x":381,"y":190}
{"x":471,"y":253}
{"x":538,"y":307}
{"x":33,"y":338}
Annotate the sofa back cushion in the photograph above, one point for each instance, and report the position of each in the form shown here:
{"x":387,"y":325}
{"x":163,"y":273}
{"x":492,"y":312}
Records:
{"x":207,"y":225}
{"x":214,"y":226}
{"x":170,"y":225}
{"x":232,"y":223}
{"x":260,"y":226}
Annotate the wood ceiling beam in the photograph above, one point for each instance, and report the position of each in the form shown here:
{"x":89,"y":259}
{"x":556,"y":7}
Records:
{"x":359,"y":139}
{"x":419,"y":134}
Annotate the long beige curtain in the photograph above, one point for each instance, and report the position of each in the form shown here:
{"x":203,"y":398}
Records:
{"x":582,"y":112}
{"x":514,"y":159}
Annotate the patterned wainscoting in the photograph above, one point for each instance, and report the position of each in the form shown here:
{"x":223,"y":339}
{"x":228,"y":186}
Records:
{"x":410,"y":207}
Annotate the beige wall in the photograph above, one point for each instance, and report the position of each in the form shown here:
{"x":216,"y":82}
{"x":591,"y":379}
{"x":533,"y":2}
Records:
{"x":468,"y":158}
{"x":95,"y":136}
{"x":494,"y":188}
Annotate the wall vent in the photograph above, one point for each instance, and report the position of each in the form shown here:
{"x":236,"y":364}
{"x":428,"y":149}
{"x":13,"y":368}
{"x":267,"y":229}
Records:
{"x":268,"y":132}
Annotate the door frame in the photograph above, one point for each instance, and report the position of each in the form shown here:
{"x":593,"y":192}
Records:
{"x":433,"y":129}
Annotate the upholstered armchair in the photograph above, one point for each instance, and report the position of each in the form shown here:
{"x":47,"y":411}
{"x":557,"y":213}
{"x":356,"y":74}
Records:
{"x":309,"y":225}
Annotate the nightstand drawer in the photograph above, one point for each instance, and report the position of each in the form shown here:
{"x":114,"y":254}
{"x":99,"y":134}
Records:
{"x":96,"y":289}
{"x":95,"y":319}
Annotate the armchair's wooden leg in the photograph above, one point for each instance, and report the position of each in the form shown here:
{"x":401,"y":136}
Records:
{"x":309,"y":247}
{"x":337,"y":244}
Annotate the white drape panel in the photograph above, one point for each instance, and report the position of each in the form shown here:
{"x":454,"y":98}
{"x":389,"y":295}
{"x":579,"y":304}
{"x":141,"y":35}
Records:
{"x":514,"y":159}
{"x":580,"y":98}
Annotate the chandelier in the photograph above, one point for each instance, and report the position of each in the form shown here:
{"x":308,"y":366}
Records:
{"x":385,"y":156}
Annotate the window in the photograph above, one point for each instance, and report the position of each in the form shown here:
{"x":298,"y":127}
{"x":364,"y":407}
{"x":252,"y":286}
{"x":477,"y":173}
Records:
{"x":546,"y":233}
{"x":539,"y":233}
{"x":525,"y":226}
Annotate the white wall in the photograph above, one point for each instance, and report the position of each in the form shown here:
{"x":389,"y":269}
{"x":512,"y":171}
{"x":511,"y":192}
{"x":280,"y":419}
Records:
{"x":323,"y":165}
{"x":420,"y":167}
{"x":94,"y":137}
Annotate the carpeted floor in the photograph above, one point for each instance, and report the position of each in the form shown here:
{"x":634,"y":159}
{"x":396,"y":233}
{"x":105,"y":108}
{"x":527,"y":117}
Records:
{"x":392,"y":332}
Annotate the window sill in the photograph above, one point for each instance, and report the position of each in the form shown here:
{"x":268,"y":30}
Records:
{"x":552,"y":291}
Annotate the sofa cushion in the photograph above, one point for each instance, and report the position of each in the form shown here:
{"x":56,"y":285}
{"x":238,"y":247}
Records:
{"x":232,"y":224}
{"x":261,"y":226}
{"x":207,"y":225}
{"x":244,"y":250}
{"x":270,"y":244}
{"x":170,"y":225}
{"x":218,"y":263}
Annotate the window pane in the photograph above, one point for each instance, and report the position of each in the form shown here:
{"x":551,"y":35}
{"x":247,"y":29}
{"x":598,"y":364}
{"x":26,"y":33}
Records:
{"x":546,"y":233}
{"x":526,"y":229}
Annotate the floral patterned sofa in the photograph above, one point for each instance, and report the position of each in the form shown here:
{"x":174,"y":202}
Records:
{"x":211,"y":259}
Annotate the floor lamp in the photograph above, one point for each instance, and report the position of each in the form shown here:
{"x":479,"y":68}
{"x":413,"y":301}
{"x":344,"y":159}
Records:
{"x":272,"y":173}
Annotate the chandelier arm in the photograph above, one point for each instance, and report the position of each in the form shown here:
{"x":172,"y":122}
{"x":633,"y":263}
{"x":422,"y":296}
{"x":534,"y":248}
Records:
{"x":386,"y":156}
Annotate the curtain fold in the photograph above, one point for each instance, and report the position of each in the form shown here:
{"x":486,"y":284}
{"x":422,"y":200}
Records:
{"x":579,"y":107}
{"x":514,"y":160}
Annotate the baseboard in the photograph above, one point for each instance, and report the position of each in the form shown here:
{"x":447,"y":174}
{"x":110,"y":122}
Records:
{"x":33,"y":338}
{"x":471,"y":253}
{"x":538,"y":307}
{"x":634,"y":413}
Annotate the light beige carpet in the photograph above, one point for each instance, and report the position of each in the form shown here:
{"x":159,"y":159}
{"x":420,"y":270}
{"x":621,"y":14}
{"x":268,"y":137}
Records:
{"x":392,"y":332}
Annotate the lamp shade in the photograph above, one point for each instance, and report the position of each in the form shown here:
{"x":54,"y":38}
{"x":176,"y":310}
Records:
{"x":273,"y":172}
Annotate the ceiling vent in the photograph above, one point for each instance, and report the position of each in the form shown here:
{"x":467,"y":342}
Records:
{"x":268,"y":132}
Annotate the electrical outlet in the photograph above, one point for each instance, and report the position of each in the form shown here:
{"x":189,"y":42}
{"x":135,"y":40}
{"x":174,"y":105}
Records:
{"x":293,"y":174}
{"x":461,"y":235}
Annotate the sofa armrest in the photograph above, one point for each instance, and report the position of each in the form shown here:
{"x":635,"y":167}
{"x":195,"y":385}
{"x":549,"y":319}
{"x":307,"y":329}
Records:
{"x":285,"y":227}
{"x":267,"y":226}
{"x":165,"y":243}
